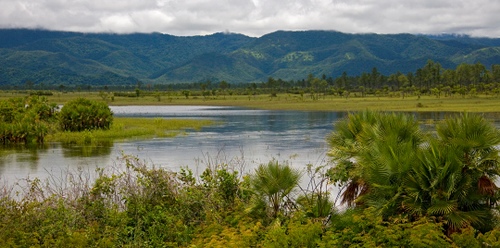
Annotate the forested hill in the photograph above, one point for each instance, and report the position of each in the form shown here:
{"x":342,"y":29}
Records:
{"x":67,"y":58}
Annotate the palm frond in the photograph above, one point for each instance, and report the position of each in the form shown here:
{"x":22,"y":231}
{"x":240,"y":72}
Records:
{"x":460,"y":219}
{"x":440,"y":207}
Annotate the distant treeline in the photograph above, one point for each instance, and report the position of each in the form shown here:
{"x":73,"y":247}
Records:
{"x":432,"y":78}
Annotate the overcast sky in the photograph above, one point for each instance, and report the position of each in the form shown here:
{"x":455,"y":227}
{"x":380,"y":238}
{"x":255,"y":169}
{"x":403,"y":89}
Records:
{"x":255,"y":17}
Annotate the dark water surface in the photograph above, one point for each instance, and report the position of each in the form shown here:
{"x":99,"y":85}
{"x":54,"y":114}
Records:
{"x":244,"y":136}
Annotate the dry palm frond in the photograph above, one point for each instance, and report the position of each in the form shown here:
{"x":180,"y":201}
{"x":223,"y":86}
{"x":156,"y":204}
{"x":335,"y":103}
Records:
{"x":353,"y":190}
{"x":486,"y":186}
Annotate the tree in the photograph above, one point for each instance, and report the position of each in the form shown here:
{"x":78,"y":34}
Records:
{"x":186,"y":93}
{"x":346,"y":145}
{"x":478,"y":73}
{"x":273,"y":85}
{"x":375,"y":78}
{"x":464,"y":74}
{"x":316,"y":85}
{"x":388,"y":159}
{"x":384,"y":161}
{"x":455,"y":176}
{"x":365,"y":82}
{"x":272,"y":184}
{"x":495,"y":73}
{"x":29,"y":84}
{"x":223,"y":85}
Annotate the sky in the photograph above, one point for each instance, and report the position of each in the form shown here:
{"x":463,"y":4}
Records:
{"x":255,"y":17}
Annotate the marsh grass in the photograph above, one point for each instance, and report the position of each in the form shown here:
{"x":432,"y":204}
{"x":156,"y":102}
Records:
{"x":130,"y":128}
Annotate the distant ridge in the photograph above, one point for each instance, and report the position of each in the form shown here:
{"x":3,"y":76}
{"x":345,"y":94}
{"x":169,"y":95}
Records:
{"x":70,"y":58}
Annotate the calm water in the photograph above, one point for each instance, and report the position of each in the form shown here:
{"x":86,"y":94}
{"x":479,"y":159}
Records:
{"x":245,"y":137}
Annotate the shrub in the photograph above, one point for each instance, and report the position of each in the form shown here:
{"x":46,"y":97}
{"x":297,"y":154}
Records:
{"x":25,"y":120}
{"x":83,"y":114}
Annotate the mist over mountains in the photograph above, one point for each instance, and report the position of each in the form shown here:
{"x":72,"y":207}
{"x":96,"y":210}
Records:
{"x":69,"y":58}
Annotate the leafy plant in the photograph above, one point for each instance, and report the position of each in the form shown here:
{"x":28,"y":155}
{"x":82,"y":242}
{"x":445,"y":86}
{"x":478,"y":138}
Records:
{"x":384,"y":161}
{"x":84,"y":114}
{"x":25,"y":120}
{"x":272,"y":184}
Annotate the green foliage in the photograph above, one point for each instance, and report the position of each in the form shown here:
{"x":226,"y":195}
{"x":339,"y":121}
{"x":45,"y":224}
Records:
{"x":405,"y":187}
{"x":272,"y":185}
{"x":222,"y":185}
{"x":386,"y":162}
{"x":144,"y":206}
{"x":365,"y":228}
{"x":304,"y":232}
{"x":83,"y":114}
{"x":25,"y":120}
{"x":315,"y":199}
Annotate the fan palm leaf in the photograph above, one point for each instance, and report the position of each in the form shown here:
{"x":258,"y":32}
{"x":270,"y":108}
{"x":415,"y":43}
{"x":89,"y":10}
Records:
{"x":273,"y":182}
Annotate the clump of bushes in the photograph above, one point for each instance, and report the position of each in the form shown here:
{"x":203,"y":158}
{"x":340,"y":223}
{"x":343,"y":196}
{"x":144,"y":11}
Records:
{"x":28,"y":120}
{"x":83,"y":114}
{"x":25,"y":120}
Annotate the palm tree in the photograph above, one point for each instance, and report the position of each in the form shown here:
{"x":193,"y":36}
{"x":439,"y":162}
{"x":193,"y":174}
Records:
{"x":271,"y":184}
{"x":390,"y":154}
{"x":373,"y":152}
{"x":346,"y":144}
{"x":436,"y":186}
{"x":396,"y":169}
{"x":474,"y":140}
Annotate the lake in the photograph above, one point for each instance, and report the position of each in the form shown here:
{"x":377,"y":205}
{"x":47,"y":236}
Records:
{"x":242,"y":137}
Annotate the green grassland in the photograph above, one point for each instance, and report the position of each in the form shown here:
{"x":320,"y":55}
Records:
{"x":283,"y":101}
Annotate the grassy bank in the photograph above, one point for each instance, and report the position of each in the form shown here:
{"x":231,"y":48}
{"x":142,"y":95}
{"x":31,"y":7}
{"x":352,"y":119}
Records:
{"x":127,"y":128}
{"x":424,"y":103}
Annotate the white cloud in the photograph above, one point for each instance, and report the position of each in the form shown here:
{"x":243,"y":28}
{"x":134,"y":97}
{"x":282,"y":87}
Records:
{"x":255,"y":17}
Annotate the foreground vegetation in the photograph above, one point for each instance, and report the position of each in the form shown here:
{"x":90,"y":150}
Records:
{"x":151,"y":207}
{"x":402,"y":187}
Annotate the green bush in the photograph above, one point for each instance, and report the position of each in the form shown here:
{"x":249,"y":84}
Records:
{"x":83,"y":114}
{"x":25,"y":120}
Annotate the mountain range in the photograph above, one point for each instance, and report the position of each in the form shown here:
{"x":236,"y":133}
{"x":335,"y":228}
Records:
{"x":72,"y":58}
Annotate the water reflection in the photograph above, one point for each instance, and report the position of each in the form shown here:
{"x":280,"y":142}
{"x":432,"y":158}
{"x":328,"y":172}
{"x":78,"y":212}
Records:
{"x":72,"y":150}
{"x":27,"y":156}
